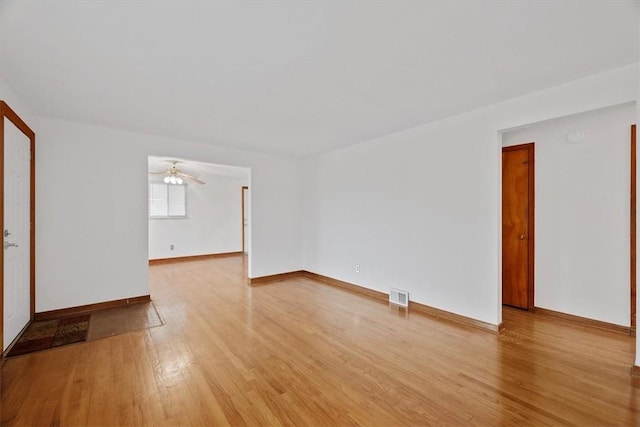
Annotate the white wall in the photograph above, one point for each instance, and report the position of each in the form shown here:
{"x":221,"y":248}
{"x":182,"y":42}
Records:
{"x":420,"y":209}
{"x":92,"y":237}
{"x":582,"y":213}
{"x":213,"y":224}
{"x":21,"y":109}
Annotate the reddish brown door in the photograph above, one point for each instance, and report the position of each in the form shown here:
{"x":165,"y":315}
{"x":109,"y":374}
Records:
{"x":517,"y":226}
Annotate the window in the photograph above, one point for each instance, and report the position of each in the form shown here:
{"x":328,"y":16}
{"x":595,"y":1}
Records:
{"x":167,"y":200}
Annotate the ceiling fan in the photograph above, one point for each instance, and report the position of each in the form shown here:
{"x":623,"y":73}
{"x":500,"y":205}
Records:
{"x":173,"y":175}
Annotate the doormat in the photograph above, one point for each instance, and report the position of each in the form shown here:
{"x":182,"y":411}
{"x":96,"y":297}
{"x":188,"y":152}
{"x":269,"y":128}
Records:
{"x":44,"y":334}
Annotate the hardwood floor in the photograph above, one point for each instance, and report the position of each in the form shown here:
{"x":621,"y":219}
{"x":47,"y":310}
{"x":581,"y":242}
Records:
{"x":298,"y":352}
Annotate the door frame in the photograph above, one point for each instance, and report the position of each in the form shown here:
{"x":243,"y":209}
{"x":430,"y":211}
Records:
{"x":244,"y":189}
{"x":6,"y":111}
{"x":530,"y":147}
{"x":632,"y":232}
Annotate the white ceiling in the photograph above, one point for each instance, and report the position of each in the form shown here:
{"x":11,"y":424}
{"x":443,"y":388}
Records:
{"x":298,"y":77}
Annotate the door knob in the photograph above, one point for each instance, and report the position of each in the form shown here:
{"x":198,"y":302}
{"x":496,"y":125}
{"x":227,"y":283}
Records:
{"x":521,"y":237}
{"x":8,"y":245}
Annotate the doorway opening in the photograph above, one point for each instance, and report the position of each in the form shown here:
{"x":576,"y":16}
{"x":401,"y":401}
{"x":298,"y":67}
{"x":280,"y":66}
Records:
{"x":194,"y":210}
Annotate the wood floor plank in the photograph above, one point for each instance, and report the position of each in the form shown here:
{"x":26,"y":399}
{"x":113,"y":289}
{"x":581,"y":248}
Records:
{"x":298,"y":352}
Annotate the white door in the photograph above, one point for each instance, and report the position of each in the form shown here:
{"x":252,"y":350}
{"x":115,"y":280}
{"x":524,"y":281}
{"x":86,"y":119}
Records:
{"x":16,"y":233}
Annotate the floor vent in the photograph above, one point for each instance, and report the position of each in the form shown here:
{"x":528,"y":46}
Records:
{"x":396,"y":296}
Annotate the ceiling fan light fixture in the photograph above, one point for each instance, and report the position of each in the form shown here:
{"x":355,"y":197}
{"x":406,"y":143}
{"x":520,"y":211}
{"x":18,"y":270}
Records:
{"x":175,"y":176}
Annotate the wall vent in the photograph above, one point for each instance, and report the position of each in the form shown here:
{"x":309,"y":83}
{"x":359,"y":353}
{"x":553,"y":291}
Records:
{"x":399,"y":297}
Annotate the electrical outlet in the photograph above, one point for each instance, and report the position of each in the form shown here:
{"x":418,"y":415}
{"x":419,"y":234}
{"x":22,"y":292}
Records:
{"x":171,"y":247}
{"x":357,"y":268}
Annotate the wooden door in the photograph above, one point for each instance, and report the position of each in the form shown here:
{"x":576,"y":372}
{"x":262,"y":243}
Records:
{"x":517,"y":226}
{"x":17,"y":213}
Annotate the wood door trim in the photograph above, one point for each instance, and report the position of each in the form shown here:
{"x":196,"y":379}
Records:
{"x":530,"y":147}
{"x":244,"y":187}
{"x":6,"y":111}
{"x":632,"y":232}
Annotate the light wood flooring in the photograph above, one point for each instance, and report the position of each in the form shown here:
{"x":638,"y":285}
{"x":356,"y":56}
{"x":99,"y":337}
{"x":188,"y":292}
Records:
{"x":301,"y":353}
{"x":119,"y":320}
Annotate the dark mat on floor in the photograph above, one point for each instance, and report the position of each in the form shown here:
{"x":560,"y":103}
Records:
{"x":44,"y":334}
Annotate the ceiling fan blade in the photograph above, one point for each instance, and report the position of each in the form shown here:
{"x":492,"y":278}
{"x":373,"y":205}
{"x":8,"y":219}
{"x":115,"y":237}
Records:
{"x":190,"y":177}
{"x":157,"y":173}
